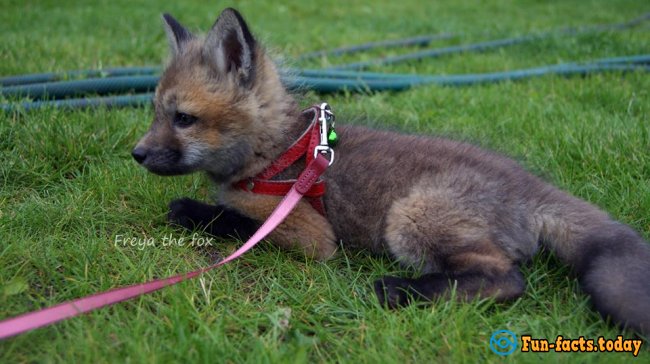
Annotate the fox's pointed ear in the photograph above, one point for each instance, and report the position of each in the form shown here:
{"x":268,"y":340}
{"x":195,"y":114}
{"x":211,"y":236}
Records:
{"x":177,"y":35}
{"x":230,"y":46}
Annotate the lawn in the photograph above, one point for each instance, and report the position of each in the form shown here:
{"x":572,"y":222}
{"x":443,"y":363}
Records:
{"x":70,"y":187}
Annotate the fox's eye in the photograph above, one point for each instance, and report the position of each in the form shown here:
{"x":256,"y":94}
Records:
{"x":184,"y":120}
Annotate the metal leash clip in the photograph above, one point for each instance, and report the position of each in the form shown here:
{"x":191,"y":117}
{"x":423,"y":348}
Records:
{"x":327,"y":134}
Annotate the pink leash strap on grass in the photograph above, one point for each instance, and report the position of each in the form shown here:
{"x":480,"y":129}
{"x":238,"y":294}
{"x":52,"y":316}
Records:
{"x":50,"y":315}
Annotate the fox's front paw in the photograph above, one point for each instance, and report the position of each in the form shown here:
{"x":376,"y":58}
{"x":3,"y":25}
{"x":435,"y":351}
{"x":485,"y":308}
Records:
{"x":216,"y":220}
{"x":186,"y":213}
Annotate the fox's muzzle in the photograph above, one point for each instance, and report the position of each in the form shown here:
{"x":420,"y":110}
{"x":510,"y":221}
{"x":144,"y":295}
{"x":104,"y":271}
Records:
{"x":161,"y":161}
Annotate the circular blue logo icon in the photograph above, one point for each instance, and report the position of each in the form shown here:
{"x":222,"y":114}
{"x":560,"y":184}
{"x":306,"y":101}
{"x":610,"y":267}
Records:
{"x":503,"y":342}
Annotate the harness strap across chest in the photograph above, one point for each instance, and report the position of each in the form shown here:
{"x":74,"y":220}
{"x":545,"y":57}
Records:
{"x":303,"y":147}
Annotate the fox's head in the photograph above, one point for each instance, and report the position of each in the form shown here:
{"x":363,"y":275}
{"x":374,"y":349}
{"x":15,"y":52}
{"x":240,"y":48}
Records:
{"x":219,"y":106}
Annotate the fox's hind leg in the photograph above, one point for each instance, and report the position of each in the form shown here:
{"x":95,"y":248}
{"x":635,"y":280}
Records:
{"x":396,"y":292}
{"x":441,"y":233}
{"x":220,"y":221}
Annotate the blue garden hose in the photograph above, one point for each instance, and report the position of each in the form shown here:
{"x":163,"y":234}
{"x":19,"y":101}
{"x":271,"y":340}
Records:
{"x":99,"y":86}
{"x":482,"y":46}
{"x":48,"y":87}
{"x":82,"y":103}
{"x":324,"y":80}
{"x":55,"y":77}
{"x":421,"y":40}
{"x":414,"y":41}
{"x":335,"y":81}
{"x":142,"y":71}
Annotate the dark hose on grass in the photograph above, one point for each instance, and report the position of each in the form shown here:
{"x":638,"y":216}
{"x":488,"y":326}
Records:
{"x":406,"y":42}
{"x":99,"y":86}
{"x":414,"y":41}
{"x":48,"y":88}
{"x":133,"y":71}
{"x":70,"y":75}
{"x":83,"y":103}
{"x":482,"y":46}
{"x":140,"y":71}
{"x":324,"y":80}
{"x":334,"y":82}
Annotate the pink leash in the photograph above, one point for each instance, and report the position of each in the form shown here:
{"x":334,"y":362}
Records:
{"x":50,"y":315}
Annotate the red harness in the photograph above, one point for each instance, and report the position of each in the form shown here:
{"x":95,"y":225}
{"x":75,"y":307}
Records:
{"x":304,"y":146}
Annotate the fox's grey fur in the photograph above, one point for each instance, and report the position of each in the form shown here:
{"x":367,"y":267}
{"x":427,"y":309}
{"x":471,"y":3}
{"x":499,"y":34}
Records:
{"x":466,"y":216}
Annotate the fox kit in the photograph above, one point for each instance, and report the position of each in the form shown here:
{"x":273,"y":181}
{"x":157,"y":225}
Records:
{"x":466,"y":216}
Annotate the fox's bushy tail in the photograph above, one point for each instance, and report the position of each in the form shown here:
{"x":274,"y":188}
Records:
{"x":611,"y":260}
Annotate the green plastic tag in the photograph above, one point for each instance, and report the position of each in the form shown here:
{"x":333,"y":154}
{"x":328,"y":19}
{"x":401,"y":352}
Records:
{"x":332,"y":138}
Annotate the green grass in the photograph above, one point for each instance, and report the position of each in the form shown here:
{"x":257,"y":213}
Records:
{"x":69,"y":186}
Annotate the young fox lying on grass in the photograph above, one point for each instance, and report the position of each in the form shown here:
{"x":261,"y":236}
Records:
{"x":466,"y":216}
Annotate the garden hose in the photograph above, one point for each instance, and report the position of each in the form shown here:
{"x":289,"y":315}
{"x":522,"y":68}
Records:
{"x":406,"y":42}
{"x":55,"y":77}
{"x":49,"y":89}
{"x":482,"y":46}
{"x":328,"y":82}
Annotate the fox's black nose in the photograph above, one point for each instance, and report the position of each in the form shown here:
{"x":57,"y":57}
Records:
{"x":139,"y":154}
